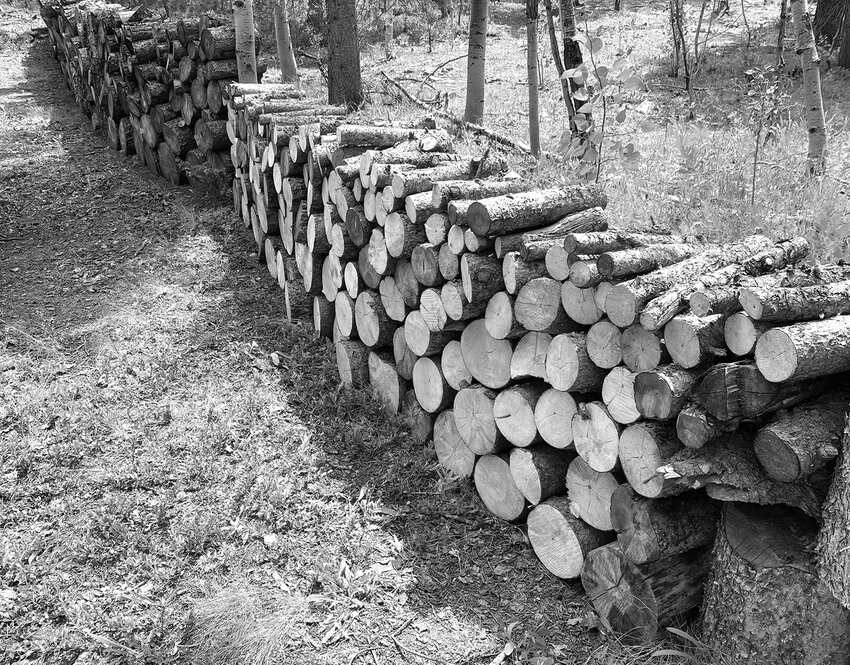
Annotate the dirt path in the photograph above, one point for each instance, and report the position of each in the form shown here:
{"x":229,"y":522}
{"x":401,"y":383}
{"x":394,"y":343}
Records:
{"x":156,"y":459}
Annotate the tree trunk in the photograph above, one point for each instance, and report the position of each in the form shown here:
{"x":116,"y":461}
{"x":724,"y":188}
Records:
{"x":426,"y":342}
{"x":531,"y":15}
{"x":764,"y":602}
{"x":644,"y":448}
{"x":538,"y":307}
{"x":285,"y":56}
{"x":695,"y":426}
{"x":625,"y":262}
{"x":651,"y":529}
{"x":374,"y":327}
{"x":796,"y":304}
{"x":343,"y":54}
{"x":246,"y":51}
{"x":454,"y":368}
{"x":352,"y":361}
{"x":444,"y":192}
{"x":478,"y":17}
{"x":533,"y":245}
{"x":572,"y":52}
{"x":812,"y":97}
{"x":517,"y":272}
{"x":805,"y":350}
{"x":844,"y":54}
{"x":560,"y":540}
{"x":499,"y":319}
{"x":632,"y":600}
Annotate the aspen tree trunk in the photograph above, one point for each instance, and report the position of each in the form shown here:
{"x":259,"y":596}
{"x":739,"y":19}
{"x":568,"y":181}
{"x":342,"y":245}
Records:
{"x":476,"y":57}
{"x":343,"y":53}
{"x":533,"y":78}
{"x":572,"y":52}
{"x":246,"y":52}
{"x":816,"y":163}
{"x":288,"y":68}
{"x":389,"y":6}
{"x":844,"y":54}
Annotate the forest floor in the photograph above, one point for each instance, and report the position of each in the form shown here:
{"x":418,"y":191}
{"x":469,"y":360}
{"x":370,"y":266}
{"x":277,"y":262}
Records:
{"x":181,"y":479}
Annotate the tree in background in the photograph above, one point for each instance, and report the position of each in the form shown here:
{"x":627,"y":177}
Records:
{"x":246,"y":51}
{"x":344,"y":85}
{"x":288,"y":67}
{"x":844,"y":55}
{"x":572,"y":51}
{"x":531,"y":15}
{"x":812,"y":97}
{"x":828,"y":18}
{"x":476,"y":58}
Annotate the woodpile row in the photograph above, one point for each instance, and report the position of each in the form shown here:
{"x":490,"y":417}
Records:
{"x":156,"y":86}
{"x":662,"y":414}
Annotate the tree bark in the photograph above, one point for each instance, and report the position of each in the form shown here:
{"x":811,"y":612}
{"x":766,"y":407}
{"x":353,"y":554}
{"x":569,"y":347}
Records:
{"x":343,"y":54}
{"x":833,"y":545}
{"x":540,"y":472}
{"x":285,"y":56}
{"x":246,"y":51}
{"x":693,"y":341}
{"x":531,"y":15}
{"x":476,"y":58}
{"x":763,"y":601}
{"x":796,"y":304}
{"x":444,"y":192}
{"x":805,"y":350}
{"x":625,"y":262}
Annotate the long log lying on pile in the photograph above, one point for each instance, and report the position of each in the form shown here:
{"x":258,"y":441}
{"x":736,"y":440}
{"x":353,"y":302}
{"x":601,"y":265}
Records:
{"x":805,"y":350}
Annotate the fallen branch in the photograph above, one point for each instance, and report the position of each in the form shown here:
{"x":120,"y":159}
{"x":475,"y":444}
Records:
{"x":477,"y":129}
{"x":438,"y":68}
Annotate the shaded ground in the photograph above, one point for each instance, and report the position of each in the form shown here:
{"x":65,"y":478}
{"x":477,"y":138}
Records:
{"x":180,"y":478}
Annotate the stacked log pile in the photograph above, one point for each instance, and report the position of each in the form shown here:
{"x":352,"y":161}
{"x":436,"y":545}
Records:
{"x":156,"y":86}
{"x":660,"y":412}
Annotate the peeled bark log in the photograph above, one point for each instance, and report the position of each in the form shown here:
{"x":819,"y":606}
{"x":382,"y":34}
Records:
{"x":632,"y":600}
{"x":739,"y":390}
{"x":764,"y":602}
{"x":538,"y":307}
{"x":514,"y":412}
{"x":454,"y":367}
{"x":497,"y":489}
{"x":626,"y":300}
{"x":476,"y":424}
{"x":641,"y":349}
{"x":568,"y":367}
{"x":590,"y":494}
{"x":801,"y":441}
{"x":580,"y":304}
{"x":805,"y":350}
{"x":562,"y":541}
{"x":487,"y":359}
{"x":452,"y":453}
{"x":553,"y":416}
{"x":652,"y":529}
{"x":596,"y":436}
{"x":514,"y":212}
{"x":432,"y":390}
{"x":385,"y":382}
{"x":618,"y":395}
{"x":603,"y":344}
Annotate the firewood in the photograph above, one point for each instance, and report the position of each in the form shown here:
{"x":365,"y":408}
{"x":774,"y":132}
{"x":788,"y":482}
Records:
{"x":540,"y":472}
{"x":380,"y":175}
{"x":402,"y":235}
{"x":514,"y":412}
{"x":553,"y":416}
{"x":404,"y":358}
{"x":596,"y":436}
{"x":529,"y":356}
{"x":833,"y":555}
{"x":633,"y":600}
{"x":432,"y":390}
{"x":514,"y":212}
{"x":359,"y":229}
{"x":482,"y":278}
{"x":626,"y":262}
{"x":369,"y":136}
{"x":425,"y":262}
{"x":451,"y":190}
{"x":802,"y":440}
{"x":352,"y":280}
{"x":626,"y":300}
{"x":562,"y":541}
{"x":516,"y":272}
{"x":426,"y":342}
{"x":417,"y":207}
{"x":452,"y":453}
{"x":497,"y":489}
{"x":533,"y":245}
{"x":454,"y":368}
{"x":499,"y":317}
{"x":352,"y":360}
{"x":374,"y":327}
{"x":740,"y":333}
{"x":652,"y":529}
{"x":557,"y":263}
{"x":580,"y":304}
{"x":422,"y":180}
{"x":385,"y":382}
{"x":392,"y":300}
{"x":662,"y":392}
{"x":457,"y":212}
{"x":455,"y":304}
{"x":323,"y":316}
{"x":344,"y":315}
{"x":695,"y":426}
{"x":739,"y":390}
{"x":341,"y":244}
{"x":585,"y":274}
{"x":421,"y":422}
{"x":718,"y":300}
{"x":641,"y":349}
{"x":476,"y":424}
{"x":449,"y":263}
{"x":477,"y":244}
{"x":764,"y":572}
{"x":538,"y":307}
{"x":603,"y":344}
{"x":644,"y":447}
{"x":407,"y":284}
{"x":590,"y":494}
{"x":367,"y":273}
{"x":599,"y":242}
{"x":568,"y":367}
{"x":488,"y":359}
{"x":796,"y":304}
{"x":437,"y":228}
